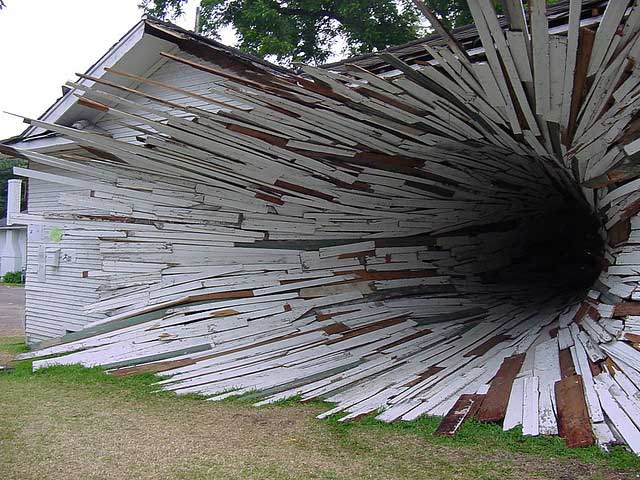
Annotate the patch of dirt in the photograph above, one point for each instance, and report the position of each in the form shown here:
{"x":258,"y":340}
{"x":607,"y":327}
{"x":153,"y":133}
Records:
{"x":56,"y":431}
{"x":11,"y":311}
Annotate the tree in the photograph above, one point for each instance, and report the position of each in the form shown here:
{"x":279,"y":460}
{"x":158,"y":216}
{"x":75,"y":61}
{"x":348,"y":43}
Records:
{"x":307,"y":30}
{"x":453,"y":13}
{"x":303,"y":30}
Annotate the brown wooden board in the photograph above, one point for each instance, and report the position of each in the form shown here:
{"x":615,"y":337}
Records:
{"x":494,"y":406}
{"x":465,"y":408}
{"x":587,"y":37}
{"x":626,"y":308}
{"x":369,"y":328}
{"x":632,"y":337}
{"x":573,"y":418}
{"x":152,"y":367}
{"x":487,"y":345}
{"x":567,"y":368}
{"x":619,"y":233}
{"x":424,"y":375}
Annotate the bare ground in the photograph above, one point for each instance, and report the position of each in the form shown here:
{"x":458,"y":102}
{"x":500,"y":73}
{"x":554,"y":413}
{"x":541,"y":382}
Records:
{"x":11,"y":311}
{"x":11,"y":315}
{"x":55,"y":430}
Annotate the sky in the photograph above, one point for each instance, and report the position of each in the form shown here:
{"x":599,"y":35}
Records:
{"x":43,"y":43}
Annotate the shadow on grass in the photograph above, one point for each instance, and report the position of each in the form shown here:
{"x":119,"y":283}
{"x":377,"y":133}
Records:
{"x":479,"y":436}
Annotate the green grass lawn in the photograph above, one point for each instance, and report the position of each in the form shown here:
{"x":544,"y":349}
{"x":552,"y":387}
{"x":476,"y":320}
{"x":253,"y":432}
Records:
{"x":78,"y":423}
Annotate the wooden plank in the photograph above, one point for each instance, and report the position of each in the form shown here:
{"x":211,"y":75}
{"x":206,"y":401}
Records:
{"x":483,"y":348}
{"x":465,"y":408}
{"x":585,"y":46}
{"x":573,"y":417}
{"x":567,"y":368}
{"x":541,"y":67}
{"x":573,"y":36}
{"x":626,"y":308}
{"x":514,"y":413}
{"x":439,"y":27}
{"x":494,"y":406}
{"x":530,"y":424}
{"x":619,"y":418}
{"x":547,"y":370}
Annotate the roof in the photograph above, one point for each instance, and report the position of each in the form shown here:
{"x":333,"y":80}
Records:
{"x":138,"y":49}
{"x":4,"y":226}
{"x":159,"y":27}
{"x":467,"y":35}
{"x":137,"y":52}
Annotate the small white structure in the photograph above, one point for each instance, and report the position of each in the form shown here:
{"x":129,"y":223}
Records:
{"x":13,"y":247}
{"x":13,"y":238}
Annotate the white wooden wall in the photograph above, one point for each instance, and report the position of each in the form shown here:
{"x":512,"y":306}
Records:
{"x":55,"y":301}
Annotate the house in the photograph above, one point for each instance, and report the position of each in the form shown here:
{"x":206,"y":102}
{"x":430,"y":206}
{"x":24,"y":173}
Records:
{"x":444,"y":233}
{"x":139,"y":53}
{"x":49,"y":312}
{"x":13,"y":247}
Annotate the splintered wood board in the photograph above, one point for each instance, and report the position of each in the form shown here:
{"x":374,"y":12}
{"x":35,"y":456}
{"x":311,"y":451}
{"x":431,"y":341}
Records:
{"x":465,"y":407}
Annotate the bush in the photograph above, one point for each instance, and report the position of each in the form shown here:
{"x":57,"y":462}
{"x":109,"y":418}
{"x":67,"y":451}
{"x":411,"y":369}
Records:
{"x":12,"y":277}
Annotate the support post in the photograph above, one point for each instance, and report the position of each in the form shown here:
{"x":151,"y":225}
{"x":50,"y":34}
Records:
{"x":11,"y":254}
{"x":14,"y":192}
{"x":441,"y":30}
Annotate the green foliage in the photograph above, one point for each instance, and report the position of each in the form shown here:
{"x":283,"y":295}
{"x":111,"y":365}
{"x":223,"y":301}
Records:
{"x":308,"y":30}
{"x":303,"y":30}
{"x":12,"y":277}
{"x":6,"y":173}
{"x":454,"y":13}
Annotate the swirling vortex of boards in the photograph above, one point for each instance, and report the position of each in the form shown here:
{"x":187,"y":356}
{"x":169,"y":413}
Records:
{"x":387,"y":243}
